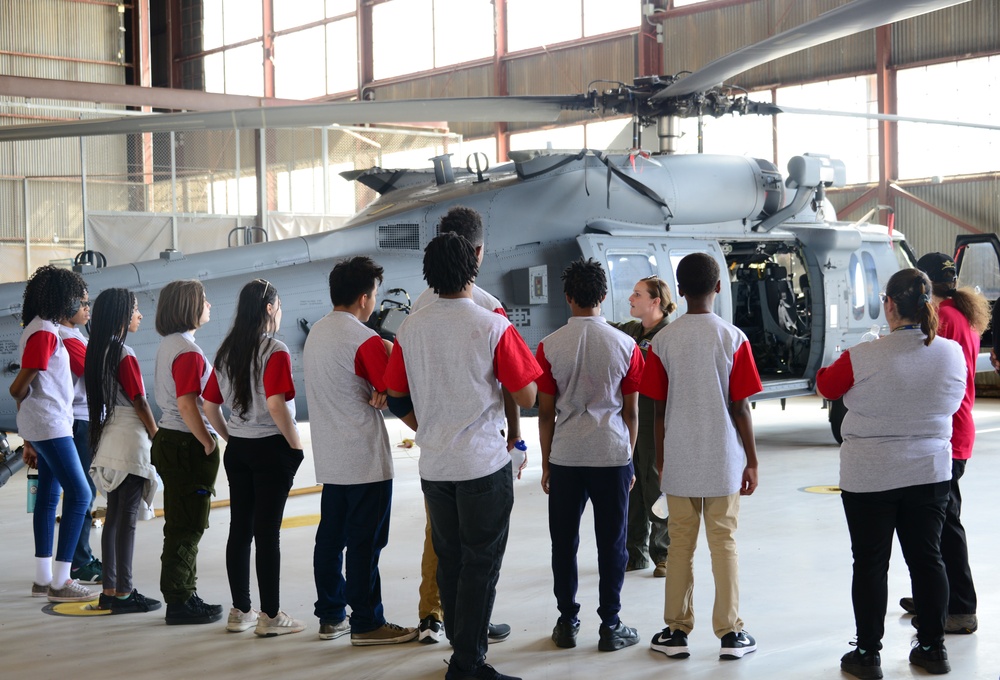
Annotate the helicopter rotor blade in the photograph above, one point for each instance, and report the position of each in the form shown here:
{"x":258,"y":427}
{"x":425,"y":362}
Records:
{"x":854,"y":17}
{"x":894,"y":118}
{"x":544,"y":109}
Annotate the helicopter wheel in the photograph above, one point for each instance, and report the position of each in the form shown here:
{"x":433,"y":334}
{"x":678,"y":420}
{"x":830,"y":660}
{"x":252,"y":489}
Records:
{"x":837,"y":413}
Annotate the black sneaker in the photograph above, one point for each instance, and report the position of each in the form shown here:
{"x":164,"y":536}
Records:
{"x":737,"y":645}
{"x":194,"y":611}
{"x":135,"y":603}
{"x":619,"y":637}
{"x":907,"y":604}
{"x":564,"y":633}
{"x":214,"y":608}
{"x":497,"y":632}
{"x":484,"y":672}
{"x":672,"y":643}
{"x":862,"y":664}
{"x":88,"y":573}
{"x":430,"y":630}
{"x":933,"y":658}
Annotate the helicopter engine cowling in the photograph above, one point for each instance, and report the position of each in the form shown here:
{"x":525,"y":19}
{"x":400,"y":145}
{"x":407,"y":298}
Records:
{"x":706,"y":189}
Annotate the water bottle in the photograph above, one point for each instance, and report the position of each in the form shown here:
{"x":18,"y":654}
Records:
{"x":660,"y":506}
{"x":32,"y":489}
{"x":517,"y":457}
{"x":872,"y":334}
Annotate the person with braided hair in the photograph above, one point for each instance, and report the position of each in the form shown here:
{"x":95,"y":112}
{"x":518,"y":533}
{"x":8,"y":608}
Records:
{"x":122,"y":428}
{"x":963,"y":315}
{"x":901,"y":392}
{"x":43,"y":390}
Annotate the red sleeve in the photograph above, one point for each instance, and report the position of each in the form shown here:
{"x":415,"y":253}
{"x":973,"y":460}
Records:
{"x":278,"y":376}
{"x":77,"y":355}
{"x":743,"y":378}
{"x":212,"y":392}
{"x":501,"y":311}
{"x":187,"y":371}
{"x":395,"y":371}
{"x":546,"y":383}
{"x":130,"y":377}
{"x":370,"y":362}
{"x":654,"y":382}
{"x":513,"y":363}
{"x":634,"y":376}
{"x":39,"y":348}
{"x":834,"y":380}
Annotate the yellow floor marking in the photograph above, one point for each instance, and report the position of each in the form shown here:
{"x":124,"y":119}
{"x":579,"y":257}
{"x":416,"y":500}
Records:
{"x":75,"y":609}
{"x":300,"y":521}
{"x":820,"y":489}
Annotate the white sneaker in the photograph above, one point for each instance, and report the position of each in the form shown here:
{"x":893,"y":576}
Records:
{"x":240,"y":621}
{"x":282,"y":624}
{"x":71,"y":591}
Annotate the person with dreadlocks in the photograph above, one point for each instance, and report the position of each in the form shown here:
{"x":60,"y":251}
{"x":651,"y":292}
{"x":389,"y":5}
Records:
{"x":43,"y":390}
{"x":901,"y":392}
{"x":445,"y":373}
{"x":588,"y":419}
{"x":121,"y":431}
{"x":252,"y":375}
{"x":963,"y":315}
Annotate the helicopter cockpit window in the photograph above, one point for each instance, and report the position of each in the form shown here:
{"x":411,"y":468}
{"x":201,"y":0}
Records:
{"x":626,"y":269}
{"x":857,"y":288}
{"x":871,"y":285}
{"x":980,"y":270}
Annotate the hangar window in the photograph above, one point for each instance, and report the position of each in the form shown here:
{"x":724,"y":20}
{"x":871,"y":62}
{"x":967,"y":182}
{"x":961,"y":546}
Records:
{"x":228,"y":71}
{"x":418,"y":35}
{"x":226,"y":22}
{"x":531,"y":23}
{"x":931,"y":92}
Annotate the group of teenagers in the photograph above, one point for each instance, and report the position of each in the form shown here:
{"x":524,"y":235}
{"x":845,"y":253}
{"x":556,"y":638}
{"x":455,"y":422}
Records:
{"x":621,"y":412}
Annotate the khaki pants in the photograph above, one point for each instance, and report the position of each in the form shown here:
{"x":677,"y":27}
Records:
{"x":721,"y":515}
{"x":430,"y":598}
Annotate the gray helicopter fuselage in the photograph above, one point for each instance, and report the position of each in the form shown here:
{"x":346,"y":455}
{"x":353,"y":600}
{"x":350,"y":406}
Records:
{"x":539,"y":213}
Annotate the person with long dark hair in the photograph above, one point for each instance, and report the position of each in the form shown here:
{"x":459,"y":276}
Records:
{"x":43,"y":390}
{"x":963,"y":315}
{"x":901,"y":392}
{"x":185,"y":450}
{"x":120,"y":438}
{"x":253,"y":376}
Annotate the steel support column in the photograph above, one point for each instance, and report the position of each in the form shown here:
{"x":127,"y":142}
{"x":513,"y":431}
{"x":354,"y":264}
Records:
{"x":366,"y":58}
{"x":267,"y":16}
{"x":888,"y":140}
{"x":500,"y":85}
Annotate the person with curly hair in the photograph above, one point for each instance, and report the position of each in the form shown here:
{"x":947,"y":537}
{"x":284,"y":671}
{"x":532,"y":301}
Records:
{"x":444,"y":374}
{"x":121,"y":430}
{"x":587,"y":421}
{"x":252,"y":375}
{"x":43,"y":390}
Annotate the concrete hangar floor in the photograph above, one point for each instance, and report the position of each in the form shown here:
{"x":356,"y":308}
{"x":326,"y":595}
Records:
{"x":794,"y":555}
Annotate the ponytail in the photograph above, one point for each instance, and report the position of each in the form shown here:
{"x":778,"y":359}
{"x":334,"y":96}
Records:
{"x":911,"y":290}
{"x":970,"y":303}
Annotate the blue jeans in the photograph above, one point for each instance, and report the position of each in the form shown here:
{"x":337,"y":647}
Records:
{"x":608,"y":489}
{"x":355,"y":517}
{"x":81,"y":438}
{"x":469,"y":524}
{"x":59,"y":469}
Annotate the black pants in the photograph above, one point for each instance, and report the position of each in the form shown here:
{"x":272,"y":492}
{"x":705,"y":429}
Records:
{"x":915,"y":514}
{"x":955,"y":549}
{"x":569,"y":490}
{"x":188,"y":485}
{"x":83,"y":554}
{"x":469,"y":524}
{"x":118,"y":537}
{"x":260,"y":475}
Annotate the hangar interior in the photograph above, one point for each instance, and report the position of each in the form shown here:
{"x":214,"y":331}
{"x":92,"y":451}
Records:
{"x":131,"y":196}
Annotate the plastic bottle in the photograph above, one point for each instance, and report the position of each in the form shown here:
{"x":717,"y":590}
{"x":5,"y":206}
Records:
{"x":660,"y":506}
{"x":517,"y":457}
{"x":32,"y":489}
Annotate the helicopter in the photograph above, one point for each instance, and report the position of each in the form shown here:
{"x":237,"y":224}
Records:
{"x":801,"y":284}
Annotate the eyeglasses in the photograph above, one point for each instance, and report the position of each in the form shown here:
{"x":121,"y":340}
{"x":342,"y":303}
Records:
{"x":883,"y":297}
{"x":85,"y":303}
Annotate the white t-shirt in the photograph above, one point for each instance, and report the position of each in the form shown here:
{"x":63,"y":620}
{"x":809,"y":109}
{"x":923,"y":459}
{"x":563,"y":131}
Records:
{"x":47,"y":412}
{"x":452,"y":357}
{"x":344,"y":360}
{"x":700,"y":364}
{"x":589,"y":367}
{"x":479,"y":296}
{"x":76,"y":346}
{"x":181,"y":369}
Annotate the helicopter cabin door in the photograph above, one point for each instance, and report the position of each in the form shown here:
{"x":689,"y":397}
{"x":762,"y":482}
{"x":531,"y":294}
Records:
{"x":977,"y":261}
{"x":628,"y":259}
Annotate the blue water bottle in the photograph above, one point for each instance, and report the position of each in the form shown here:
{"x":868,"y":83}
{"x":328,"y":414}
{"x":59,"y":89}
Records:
{"x":32,"y":489}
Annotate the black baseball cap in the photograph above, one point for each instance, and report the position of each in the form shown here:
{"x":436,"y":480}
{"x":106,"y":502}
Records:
{"x":940,"y":268}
